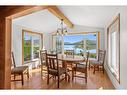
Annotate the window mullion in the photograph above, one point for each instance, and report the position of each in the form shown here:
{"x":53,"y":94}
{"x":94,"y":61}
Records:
{"x":32,"y":50}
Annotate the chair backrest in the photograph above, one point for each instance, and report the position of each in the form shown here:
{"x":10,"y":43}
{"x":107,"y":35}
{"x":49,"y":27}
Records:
{"x":52,"y":61}
{"x":13,"y":60}
{"x":70,"y":53}
{"x":101,"y":56}
{"x":43,"y":56}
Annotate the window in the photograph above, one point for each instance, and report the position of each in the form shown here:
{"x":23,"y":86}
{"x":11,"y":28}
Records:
{"x":78,"y":42}
{"x":92,"y":44}
{"x":74,"y":42}
{"x":27,"y":47}
{"x":31,"y":45}
{"x":59,"y":44}
{"x":113,"y":48}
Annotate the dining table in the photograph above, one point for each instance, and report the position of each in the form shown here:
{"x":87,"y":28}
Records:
{"x":65,"y":59}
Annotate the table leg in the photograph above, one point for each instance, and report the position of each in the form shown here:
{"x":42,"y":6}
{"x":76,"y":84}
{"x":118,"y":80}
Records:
{"x":64,"y":65}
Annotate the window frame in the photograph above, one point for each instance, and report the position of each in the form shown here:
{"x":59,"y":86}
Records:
{"x":118,"y":39}
{"x":81,"y":33}
{"x":30,"y":32}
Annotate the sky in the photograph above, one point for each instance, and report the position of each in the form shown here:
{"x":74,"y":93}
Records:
{"x":28,"y":37}
{"x":76,"y":38}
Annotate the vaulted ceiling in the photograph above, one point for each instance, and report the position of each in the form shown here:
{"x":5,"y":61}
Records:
{"x":41,"y":21}
{"x":92,"y":16}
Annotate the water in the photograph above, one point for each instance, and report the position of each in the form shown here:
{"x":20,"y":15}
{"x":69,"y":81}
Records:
{"x":77,"y":50}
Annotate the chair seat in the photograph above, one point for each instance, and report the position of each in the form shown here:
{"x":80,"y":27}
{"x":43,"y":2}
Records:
{"x":80,"y":67}
{"x":95,"y":62}
{"x":18,"y":70}
{"x":55,"y":72}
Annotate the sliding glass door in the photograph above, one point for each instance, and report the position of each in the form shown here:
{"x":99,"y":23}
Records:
{"x":32,"y":43}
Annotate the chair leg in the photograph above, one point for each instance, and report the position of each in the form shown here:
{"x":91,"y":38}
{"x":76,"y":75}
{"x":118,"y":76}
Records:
{"x":58,"y":81}
{"x":86,"y":77}
{"x":28,"y":73}
{"x":72,"y":74}
{"x":103,"y":69}
{"x":47,"y":78}
{"x":94,"y":70}
{"x":14,"y":76}
{"x":89,"y":65}
{"x":42,"y":70}
{"x":22,"y":79}
{"x":66,"y":76}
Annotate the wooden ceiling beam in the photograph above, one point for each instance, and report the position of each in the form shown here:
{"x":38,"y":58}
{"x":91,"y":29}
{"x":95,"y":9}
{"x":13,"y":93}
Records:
{"x":54,"y":10}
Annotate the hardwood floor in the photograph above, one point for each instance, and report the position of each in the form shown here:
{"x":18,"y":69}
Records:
{"x":95,"y":81}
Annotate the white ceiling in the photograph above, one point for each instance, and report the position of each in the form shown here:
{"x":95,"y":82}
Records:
{"x":93,"y":16}
{"x":41,"y":21}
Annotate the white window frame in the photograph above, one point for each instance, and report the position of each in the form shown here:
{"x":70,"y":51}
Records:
{"x":114,"y":31}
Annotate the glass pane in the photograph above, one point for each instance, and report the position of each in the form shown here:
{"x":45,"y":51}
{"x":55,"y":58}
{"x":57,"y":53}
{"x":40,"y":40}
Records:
{"x":36,"y":46}
{"x":59,"y":44}
{"x":74,"y":42}
{"x":114,"y":51}
{"x":27,"y":47}
{"x":91,"y":44}
{"x":81,"y":43}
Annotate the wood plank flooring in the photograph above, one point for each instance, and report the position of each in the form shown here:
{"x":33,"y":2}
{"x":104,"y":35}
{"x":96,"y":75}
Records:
{"x":95,"y":81}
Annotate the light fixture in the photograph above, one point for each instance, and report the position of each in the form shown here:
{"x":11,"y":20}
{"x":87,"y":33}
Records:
{"x":62,"y":30}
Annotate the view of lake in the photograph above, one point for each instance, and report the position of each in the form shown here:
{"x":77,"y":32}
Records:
{"x":77,"y":50}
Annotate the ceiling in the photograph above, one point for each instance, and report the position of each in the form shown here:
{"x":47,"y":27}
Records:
{"x":41,"y":21}
{"x":92,"y":16}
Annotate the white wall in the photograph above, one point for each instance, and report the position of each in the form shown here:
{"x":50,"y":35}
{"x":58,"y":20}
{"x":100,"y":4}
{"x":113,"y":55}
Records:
{"x":47,"y":39}
{"x":17,"y":42}
{"x":123,"y":49}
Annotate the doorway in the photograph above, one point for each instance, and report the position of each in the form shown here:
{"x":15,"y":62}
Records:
{"x":12,"y":12}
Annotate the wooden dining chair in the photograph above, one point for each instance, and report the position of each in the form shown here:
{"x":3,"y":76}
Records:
{"x":54,"y":70}
{"x":98,"y":62}
{"x":81,"y":67}
{"x":43,"y":61}
{"x":20,"y":70}
{"x":70,"y":53}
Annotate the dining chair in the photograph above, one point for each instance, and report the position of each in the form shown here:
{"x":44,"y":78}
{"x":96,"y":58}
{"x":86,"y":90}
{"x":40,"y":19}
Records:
{"x":20,"y":70}
{"x":98,"y":62}
{"x":81,"y":67}
{"x":54,"y":69}
{"x":70,"y":53}
{"x":43,"y":61}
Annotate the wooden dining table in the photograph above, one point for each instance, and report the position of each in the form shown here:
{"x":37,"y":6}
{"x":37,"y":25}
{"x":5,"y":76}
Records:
{"x":74,"y":60}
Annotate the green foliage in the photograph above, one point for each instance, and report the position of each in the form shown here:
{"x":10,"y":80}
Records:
{"x":27,"y":50}
{"x":27,"y":53}
{"x":92,"y":55}
{"x":36,"y":49}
